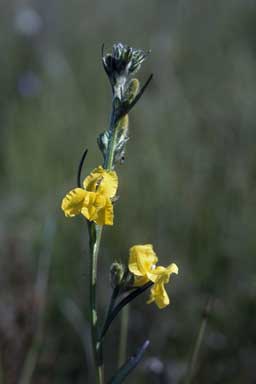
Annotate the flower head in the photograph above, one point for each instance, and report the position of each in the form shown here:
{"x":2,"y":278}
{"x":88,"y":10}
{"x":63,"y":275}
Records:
{"x":123,"y":61}
{"x":94,"y":201}
{"x":142,"y":263}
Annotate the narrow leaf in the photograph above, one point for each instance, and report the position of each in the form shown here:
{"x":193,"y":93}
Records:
{"x":130,"y":364}
{"x":80,"y":166}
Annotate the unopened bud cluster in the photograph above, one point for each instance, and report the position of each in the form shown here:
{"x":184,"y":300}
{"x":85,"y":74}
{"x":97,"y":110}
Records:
{"x":120,"y":66}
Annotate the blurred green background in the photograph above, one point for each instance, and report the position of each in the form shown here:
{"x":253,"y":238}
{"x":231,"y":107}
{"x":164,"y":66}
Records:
{"x":187,"y":185}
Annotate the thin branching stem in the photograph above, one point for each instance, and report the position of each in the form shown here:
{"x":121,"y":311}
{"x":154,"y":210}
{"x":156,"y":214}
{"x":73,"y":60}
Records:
{"x":120,"y":305}
{"x":114,"y":296}
{"x":95,"y":234}
{"x":95,"y":238}
{"x":123,"y":335}
{"x":198,"y":342}
{"x":108,"y":164}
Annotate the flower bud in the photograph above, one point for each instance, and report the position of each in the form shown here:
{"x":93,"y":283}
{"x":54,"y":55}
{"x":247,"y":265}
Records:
{"x":116,"y":274}
{"x":122,"y":138}
{"x":132,"y":90}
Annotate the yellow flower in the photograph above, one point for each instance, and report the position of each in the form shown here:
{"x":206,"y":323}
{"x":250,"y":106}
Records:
{"x":73,"y":202}
{"x":142,"y":260}
{"x":93,"y":202}
{"x":101,"y":181}
{"x":142,"y":263}
{"x":158,"y":292}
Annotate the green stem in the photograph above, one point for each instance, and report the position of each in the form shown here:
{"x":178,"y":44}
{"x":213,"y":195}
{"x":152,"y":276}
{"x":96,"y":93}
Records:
{"x":123,"y":335}
{"x":95,"y":238}
{"x":108,"y":164}
{"x":116,"y":309}
{"x":95,"y":233}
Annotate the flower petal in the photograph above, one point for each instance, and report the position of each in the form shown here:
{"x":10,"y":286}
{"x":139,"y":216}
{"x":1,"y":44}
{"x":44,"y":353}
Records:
{"x":172,"y":268}
{"x":73,"y":202}
{"x":161,"y":276}
{"x":105,"y":212}
{"x":159,"y":295}
{"x":141,"y":259}
{"x":89,"y":210}
{"x":163,"y":273}
{"x":98,"y":208}
{"x":102,"y":181}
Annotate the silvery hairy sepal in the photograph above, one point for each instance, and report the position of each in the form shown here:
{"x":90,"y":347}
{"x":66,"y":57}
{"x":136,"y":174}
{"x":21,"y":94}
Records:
{"x":121,"y":140}
{"x":121,"y":64}
{"x":102,"y":141}
{"x":119,"y":153}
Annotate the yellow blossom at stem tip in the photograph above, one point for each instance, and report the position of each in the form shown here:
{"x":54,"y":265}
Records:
{"x":142,"y":263}
{"x":94,"y":201}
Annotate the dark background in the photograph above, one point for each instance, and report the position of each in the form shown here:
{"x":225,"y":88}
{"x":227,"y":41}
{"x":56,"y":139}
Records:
{"x":187,"y":186}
